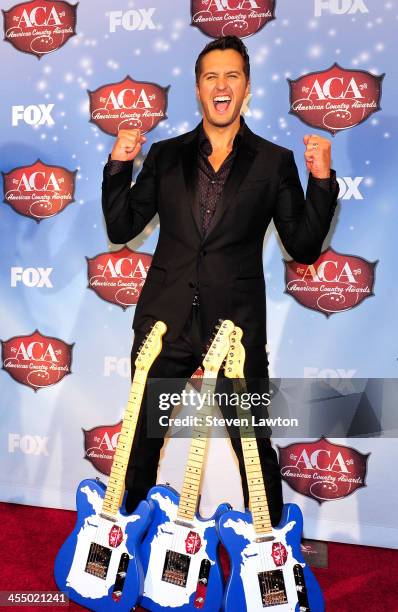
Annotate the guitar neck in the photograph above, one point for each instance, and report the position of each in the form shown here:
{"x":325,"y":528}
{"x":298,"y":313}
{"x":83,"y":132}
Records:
{"x":193,"y":471}
{"x":255,"y":481}
{"x":116,"y":483}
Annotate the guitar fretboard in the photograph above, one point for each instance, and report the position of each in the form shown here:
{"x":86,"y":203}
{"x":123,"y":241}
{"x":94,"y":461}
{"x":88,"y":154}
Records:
{"x":193,"y":471}
{"x":255,"y":481}
{"x":115,"y":489}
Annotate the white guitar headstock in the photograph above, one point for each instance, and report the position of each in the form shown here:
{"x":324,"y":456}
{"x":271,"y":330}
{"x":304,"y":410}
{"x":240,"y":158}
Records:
{"x":219,"y":347}
{"x":235,"y":360}
{"x":151,"y":347}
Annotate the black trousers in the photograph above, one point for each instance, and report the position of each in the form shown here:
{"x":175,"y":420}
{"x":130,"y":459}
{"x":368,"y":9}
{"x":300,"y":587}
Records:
{"x":179,"y":360}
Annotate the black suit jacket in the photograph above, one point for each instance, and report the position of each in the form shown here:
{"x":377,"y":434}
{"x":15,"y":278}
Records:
{"x":226,"y":264}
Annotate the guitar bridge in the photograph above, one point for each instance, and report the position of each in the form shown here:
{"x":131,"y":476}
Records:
{"x":176,"y":568}
{"x":272,"y":588}
{"x":98,"y":560}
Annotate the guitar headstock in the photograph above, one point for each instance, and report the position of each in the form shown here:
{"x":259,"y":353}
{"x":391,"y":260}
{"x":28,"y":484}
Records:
{"x":219,"y":346}
{"x":151,"y":347}
{"x":236,"y":355}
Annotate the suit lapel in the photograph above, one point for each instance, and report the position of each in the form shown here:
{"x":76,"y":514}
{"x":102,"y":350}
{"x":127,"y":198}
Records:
{"x":242,"y":162}
{"x":189,"y":155}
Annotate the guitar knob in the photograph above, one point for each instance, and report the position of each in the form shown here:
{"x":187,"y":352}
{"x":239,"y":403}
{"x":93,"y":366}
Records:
{"x":199,"y":600}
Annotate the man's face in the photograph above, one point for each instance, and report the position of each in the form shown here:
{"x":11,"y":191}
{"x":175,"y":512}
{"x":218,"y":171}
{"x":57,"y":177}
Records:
{"x":222,"y":86}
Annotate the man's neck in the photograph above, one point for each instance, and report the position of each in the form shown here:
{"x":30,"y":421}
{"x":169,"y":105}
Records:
{"x":221,"y":138}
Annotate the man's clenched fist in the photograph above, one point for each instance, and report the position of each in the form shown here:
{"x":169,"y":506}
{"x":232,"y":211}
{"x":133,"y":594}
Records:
{"x":127,"y":145}
{"x":317,"y":155}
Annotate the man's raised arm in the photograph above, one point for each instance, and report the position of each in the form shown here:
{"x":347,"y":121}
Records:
{"x":127,"y":210}
{"x":303,"y":223}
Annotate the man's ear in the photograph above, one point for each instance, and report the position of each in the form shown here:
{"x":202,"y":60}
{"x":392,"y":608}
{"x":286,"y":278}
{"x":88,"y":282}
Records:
{"x":247,"y":90}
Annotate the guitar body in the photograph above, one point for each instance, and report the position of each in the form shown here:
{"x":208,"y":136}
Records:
{"x":287,"y":582}
{"x":108,"y":550}
{"x":181,"y":566}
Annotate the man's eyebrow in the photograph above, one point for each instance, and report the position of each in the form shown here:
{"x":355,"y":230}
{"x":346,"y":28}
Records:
{"x":209,"y":72}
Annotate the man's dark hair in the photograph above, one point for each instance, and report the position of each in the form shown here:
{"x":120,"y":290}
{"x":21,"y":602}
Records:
{"x":222,"y":43}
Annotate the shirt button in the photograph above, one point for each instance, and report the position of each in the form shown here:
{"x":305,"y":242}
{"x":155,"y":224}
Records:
{"x":208,"y":211}
{"x":213,"y":182}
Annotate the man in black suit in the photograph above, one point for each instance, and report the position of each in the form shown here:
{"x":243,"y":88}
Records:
{"x":215,"y":189}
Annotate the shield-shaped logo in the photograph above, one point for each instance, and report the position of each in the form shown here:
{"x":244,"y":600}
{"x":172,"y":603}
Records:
{"x":231,"y":17}
{"x":334,"y":283}
{"x":100,"y":445}
{"x":41,"y":26}
{"x":335,"y":99}
{"x":39,"y":191}
{"x":36,"y":360}
{"x":323,"y":470}
{"x":128,"y":105}
{"x":118,"y":276}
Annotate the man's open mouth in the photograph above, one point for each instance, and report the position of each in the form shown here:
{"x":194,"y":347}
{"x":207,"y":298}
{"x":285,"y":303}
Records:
{"x":221,"y":103}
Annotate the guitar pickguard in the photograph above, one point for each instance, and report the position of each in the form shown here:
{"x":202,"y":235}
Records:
{"x":268,"y":573}
{"x":180,"y":561}
{"x":95,"y":580}
{"x":265,"y":585}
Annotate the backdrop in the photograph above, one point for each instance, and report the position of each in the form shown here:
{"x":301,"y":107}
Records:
{"x":73,"y":74}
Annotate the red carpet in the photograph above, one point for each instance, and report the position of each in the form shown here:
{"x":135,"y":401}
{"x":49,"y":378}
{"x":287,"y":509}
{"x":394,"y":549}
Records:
{"x":358,"y":579}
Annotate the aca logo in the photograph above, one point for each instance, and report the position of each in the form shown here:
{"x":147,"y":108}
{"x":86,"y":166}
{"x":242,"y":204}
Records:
{"x":231,"y":17}
{"x":334,"y":283}
{"x":128,"y":104}
{"x":39,"y":191}
{"x":339,"y":7}
{"x":100,"y":445}
{"x":36,"y":360}
{"x":41,"y":26}
{"x":335,"y":99}
{"x":323,"y":470}
{"x":118,"y":277}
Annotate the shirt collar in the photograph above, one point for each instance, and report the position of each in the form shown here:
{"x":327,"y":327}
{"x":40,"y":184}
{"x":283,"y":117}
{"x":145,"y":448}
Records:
{"x":205,"y":144}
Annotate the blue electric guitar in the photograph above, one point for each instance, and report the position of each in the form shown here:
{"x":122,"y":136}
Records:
{"x":179,"y":553}
{"x":98,"y":565}
{"x":267,"y":567}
